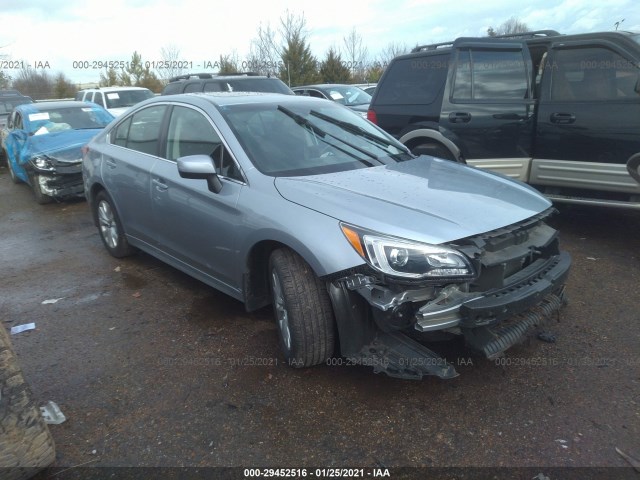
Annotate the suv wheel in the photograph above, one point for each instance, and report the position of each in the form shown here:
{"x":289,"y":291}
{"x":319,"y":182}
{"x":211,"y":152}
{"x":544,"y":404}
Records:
{"x":433,"y":149}
{"x":302,"y":309}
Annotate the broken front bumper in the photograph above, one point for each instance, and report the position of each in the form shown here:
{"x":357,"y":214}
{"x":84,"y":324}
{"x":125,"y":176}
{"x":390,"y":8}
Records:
{"x":373,"y":321}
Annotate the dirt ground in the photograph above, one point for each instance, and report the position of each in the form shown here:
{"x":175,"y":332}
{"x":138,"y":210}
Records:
{"x":153,"y":368}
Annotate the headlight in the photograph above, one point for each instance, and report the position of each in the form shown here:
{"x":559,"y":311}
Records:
{"x":42,"y":163}
{"x":403,"y":258}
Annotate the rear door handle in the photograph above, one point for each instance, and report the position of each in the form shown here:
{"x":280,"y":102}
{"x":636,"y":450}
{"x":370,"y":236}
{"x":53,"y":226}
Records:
{"x":562,"y":118}
{"x":110,"y":162}
{"x":459,"y":117}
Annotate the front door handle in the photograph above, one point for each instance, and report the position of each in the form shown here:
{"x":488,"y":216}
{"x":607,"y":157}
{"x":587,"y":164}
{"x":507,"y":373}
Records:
{"x":459,"y":117}
{"x":562,"y":118}
{"x":160,"y":185}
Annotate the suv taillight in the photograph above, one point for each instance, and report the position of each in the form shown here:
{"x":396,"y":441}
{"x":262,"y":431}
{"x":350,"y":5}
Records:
{"x":371,"y":116}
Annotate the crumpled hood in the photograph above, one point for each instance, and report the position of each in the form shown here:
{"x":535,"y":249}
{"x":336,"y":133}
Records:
{"x":425,"y":199}
{"x":63,"y":146}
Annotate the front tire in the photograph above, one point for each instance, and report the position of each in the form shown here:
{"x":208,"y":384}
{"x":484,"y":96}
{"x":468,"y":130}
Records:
{"x":41,"y":198}
{"x":303,"y":311}
{"x":110,"y":227}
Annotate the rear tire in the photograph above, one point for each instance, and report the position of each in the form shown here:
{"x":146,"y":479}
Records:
{"x":303,"y":311}
{"x":110,"y":227}
{"x":26,"y":444}
{"x":433,"y":150}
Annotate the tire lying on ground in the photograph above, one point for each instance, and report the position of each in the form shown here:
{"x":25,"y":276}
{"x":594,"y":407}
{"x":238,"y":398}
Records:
{"x":26,"y":445}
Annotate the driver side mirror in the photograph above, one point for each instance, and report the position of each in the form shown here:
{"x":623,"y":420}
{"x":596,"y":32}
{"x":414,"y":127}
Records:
{"x":200,"y":167}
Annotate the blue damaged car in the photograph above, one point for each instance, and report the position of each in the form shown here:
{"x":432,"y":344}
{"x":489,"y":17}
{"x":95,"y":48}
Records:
{"x":363,"y":249}
{"x":44,"y":142}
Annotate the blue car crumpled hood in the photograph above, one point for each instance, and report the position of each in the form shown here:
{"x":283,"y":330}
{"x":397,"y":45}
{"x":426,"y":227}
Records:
{"x":425,"y":199}
{"x":64,"y":146}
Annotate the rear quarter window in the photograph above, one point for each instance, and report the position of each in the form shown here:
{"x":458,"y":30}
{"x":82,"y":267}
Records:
{"x":416,"y":80}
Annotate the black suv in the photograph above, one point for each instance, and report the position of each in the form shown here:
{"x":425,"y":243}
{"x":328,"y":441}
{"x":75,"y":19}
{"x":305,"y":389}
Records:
{"x":560,"y":112}
{"x":241,"y":82}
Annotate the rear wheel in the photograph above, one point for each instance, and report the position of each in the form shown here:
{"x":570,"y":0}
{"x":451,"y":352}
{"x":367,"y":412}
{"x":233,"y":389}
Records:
{"x":26,"y":445}
{"x":433,"y":149}
{"x":302,"y":309}
{"x":110,"y":227}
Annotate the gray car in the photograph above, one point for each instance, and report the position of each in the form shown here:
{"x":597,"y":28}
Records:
{"x":365,"y":251}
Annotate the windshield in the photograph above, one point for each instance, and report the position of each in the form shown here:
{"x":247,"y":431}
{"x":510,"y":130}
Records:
{"x":75,"y":118}
{"x":126,"y":98}
{"x":308,"y":138}
{"x":268,"y":85}
{"x":348,"y":95}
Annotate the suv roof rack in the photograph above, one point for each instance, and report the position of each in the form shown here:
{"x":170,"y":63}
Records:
{"x":190,"y":76}
{"x":532,"y":34}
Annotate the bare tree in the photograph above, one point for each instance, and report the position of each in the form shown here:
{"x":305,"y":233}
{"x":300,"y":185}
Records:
{"x":298,"y":65}
{"x":36,"y":84}
{"x":172,"y":65}
{"x":264,"y":57}
{"x":508,"y":27}
{"x":356,"y":55}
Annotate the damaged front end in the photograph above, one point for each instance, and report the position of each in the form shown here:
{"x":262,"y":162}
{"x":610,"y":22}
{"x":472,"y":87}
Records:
{"x":57,"y":175}
{"x":492,"y":289}
{"x":52,"y":165}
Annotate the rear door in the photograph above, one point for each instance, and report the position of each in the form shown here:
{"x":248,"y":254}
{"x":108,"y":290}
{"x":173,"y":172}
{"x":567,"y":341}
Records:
{"x":126,"y":167}
{"x":488,"y":105}
{"x":588,"y":117}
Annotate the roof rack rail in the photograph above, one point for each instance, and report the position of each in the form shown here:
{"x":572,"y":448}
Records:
{"x":532,"y":34}
{"x":189,"y":76}
{"x":432,"y":46}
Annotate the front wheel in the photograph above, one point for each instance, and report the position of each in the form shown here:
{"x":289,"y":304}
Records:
{"x":302,"y":309}
{"x":110,"y":227}
{"x":41,"y":198}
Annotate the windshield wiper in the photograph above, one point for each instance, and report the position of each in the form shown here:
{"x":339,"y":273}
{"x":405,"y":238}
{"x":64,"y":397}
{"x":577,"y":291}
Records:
{"x":300,"y":120}
{"x":356,"y":130}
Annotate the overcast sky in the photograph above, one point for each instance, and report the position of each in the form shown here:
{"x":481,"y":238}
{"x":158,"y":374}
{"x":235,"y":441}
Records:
{"x":61,"y":32}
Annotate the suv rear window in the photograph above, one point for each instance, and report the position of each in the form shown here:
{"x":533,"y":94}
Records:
{"x":415,"y":80}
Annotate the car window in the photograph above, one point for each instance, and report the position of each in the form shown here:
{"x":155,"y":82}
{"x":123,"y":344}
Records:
{"x":191,"y":133}
{"x":193,"y":87}
{"x":213,"y":87}
{"x":594,"y":73}
{"x":121,"y":133}
{"x":126,"y":98}
{"x":49,"y":120}
{"x":293,"y":139}
{"x":413,"y":81}
{"x":145,"y":129}
{"x":97,"y":98}
{"x":490,"y":74}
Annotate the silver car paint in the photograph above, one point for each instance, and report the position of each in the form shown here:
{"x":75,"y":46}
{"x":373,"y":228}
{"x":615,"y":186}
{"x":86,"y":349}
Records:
{"x":210,"y":235}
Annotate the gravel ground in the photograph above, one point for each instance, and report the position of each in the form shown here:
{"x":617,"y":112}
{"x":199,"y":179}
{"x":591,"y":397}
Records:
{"x":155,"y":369}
